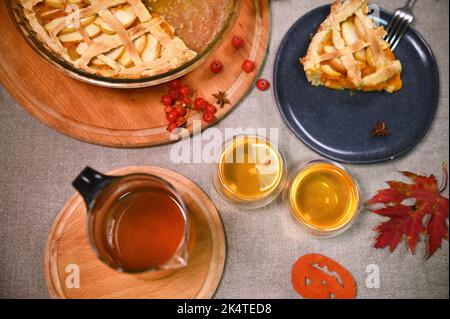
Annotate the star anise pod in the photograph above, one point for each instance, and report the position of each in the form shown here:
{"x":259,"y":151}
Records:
{"x":380,"y":130}
{"x":221,"y":98}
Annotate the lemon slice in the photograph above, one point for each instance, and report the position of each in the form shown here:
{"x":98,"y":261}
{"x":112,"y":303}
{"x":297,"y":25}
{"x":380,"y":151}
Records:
{"x":267,"y":165}
{"x":250,"y":169}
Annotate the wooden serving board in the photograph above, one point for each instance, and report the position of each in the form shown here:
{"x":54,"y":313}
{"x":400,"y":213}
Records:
{"x":68,"y":245}
{"x":126,"y":118}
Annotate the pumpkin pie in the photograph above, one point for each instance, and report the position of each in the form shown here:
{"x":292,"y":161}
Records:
{"x":349,"y":52}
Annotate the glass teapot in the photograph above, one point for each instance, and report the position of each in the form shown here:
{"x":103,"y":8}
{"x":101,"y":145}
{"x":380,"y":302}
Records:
{"x":136,"y":223}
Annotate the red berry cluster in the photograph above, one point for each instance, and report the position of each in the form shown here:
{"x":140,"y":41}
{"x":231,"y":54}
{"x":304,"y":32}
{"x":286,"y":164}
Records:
{"x":178,"y":102}
{"x":248,"y":66}
{"x":209,"y":110}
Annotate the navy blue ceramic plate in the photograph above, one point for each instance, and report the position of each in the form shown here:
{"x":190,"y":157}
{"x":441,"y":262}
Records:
{"x":338,"y":124}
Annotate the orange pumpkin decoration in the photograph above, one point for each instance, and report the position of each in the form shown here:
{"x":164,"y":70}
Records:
{"x":318,"y":277}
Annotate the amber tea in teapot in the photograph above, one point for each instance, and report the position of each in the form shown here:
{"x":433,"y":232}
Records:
{"x":137,"y":223}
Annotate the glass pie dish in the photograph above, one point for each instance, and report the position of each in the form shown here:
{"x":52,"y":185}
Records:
{"x":201,"y":24}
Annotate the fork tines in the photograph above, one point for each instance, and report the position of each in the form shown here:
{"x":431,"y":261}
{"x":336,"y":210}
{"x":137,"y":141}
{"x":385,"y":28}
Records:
{"x":398,"y":27}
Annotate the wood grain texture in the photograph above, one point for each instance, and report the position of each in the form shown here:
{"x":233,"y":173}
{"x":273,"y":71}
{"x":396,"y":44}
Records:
{"x":126,"y":118}
{"x":68,"y":244}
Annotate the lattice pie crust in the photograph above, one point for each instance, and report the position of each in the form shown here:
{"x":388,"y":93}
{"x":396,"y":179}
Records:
{"x":349,"y":52}
{"x":111,"y":38}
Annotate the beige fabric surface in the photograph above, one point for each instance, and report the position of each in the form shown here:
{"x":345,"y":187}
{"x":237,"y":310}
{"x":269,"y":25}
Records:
{"x":38,"y":164}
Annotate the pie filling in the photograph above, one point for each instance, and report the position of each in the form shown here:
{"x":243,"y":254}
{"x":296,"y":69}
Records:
{"x":112,"y":38}
{"x":349,"y":52}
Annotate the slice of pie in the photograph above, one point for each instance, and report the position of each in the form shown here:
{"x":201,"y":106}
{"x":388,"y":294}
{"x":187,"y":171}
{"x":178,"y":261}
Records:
{"x":349,"y":52}
{"x":111,"y":38}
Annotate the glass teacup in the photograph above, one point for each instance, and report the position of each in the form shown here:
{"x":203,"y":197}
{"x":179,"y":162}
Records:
{"x":323,"y":197}
{"x":251,"y":172}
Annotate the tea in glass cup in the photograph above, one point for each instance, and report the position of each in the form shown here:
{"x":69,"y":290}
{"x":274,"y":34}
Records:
{"x":251,"y":171}
{"x":324,"y":197}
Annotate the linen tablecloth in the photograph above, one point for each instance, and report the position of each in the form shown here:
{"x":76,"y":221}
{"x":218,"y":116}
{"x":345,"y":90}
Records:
{"x":38,"y":164}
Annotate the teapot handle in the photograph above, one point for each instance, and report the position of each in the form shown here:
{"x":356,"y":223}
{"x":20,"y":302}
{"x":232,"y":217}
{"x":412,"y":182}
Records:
{"x":89,"y":183}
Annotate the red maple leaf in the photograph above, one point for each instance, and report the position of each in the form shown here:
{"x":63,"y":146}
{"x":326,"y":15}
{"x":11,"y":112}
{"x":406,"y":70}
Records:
{"x":427,"y":215}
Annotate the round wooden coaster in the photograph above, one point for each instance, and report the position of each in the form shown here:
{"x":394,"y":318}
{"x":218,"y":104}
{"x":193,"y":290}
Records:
{"x":126,"y":118}
{"x":68,"y":251}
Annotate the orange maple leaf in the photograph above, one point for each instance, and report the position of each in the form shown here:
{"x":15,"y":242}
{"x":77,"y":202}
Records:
{"x":408,"y":220}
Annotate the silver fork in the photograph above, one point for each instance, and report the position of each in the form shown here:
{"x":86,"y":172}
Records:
{"x":399,"y":24}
